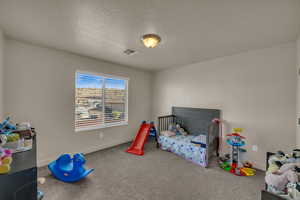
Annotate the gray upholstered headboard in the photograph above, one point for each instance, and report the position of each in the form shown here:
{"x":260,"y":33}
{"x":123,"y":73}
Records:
{"x":195,"y":120}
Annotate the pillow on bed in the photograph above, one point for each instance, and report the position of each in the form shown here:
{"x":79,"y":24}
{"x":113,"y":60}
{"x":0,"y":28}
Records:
{"x":168,"y":133}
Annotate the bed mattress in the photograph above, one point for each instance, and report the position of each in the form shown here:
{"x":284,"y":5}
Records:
{"x":182,"y":146}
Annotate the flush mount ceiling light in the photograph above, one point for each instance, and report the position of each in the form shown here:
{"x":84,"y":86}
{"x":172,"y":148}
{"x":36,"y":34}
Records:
{"x":151,"y":40}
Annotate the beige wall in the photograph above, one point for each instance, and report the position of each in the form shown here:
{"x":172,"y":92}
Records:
{"x":298,"y":91}
{"x":1,"y":72}
{"x":39,"y":87}
{"x":255,"y":91}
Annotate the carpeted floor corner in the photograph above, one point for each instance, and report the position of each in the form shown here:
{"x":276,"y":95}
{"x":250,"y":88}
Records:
{"x":158,"y":175}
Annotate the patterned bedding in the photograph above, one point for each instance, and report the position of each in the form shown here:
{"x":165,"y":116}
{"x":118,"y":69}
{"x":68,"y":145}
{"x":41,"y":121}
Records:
{"x":182,"y":146}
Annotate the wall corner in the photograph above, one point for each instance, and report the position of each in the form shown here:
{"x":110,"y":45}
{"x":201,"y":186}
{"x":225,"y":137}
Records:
{"x":298,"y":91}
{"x":1,"y":73}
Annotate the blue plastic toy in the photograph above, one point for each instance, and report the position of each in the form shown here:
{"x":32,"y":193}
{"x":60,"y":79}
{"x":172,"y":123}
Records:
{"x":153,"y":130}
{"x":6,"y":127}
{"x":69,"y":169}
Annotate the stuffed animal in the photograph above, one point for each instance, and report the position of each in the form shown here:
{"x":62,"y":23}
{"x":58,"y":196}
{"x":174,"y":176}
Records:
{"x":280,"y":178}
{"x":294,"y":191}
{"x":294,"y":157}
{"x":170,"y":132}
{"x":276,"y":161}
{"x":296,"y":153}
{"x":174,"y":129}
{"x":180,"y":131}
{"x":280,"y":172}
{"x":247,"y":164}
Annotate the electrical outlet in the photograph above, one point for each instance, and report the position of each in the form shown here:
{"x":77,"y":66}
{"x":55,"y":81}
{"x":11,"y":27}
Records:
{"x":254,"y":148}
{"x":101,"y":135}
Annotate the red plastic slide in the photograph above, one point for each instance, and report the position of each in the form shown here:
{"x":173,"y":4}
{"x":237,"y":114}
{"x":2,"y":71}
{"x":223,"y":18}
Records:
{"x":137,"y":146}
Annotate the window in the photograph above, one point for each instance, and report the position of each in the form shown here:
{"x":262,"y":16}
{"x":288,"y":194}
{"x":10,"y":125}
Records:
{"x":101,"y":101}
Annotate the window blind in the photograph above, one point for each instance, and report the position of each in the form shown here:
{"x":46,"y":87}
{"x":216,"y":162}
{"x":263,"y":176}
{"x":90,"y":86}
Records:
{"x":101,"y":101}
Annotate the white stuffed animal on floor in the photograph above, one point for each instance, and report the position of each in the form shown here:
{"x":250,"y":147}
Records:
{"x":280,"y":173}
{"x":294,"y":157}
{"x":294,"y":191}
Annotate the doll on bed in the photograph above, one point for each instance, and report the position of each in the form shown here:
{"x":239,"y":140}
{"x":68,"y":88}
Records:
{"x":173,"y":130}
{"x":282,"y":170}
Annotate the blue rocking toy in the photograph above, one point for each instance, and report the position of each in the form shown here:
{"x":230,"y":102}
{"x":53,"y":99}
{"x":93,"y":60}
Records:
{"x":69,"y":169}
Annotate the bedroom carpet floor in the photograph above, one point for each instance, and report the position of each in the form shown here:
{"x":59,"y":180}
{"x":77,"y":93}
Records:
{"x":158,"y":175}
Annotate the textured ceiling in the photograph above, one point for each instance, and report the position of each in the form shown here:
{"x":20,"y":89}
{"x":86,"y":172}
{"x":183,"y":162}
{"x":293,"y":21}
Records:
{"x":191,"y":31}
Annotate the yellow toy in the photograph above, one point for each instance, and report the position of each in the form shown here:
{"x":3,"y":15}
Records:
{"x":5,"y":160}
{"x":237,"y":130}
{"x":4,"y":168}
{"x":248,"y":171}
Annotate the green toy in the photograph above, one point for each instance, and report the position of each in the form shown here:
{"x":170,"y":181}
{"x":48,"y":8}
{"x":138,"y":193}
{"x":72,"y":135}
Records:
{"x":225,"y":165}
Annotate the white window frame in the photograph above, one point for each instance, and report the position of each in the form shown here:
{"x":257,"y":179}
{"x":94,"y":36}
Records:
{"x":125,"y":122}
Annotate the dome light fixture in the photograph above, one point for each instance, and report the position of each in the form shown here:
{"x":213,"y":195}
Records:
{"x":151,"y":40}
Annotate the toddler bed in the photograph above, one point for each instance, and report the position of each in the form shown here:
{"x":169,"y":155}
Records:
{"x":198,"y":123}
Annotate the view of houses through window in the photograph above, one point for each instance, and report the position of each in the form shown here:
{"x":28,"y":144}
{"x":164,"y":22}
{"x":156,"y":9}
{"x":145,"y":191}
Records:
{"x":100,"y":101}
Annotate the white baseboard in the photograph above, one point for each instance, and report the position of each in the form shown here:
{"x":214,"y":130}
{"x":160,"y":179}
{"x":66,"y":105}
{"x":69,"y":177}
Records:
{"x":45,"y":161}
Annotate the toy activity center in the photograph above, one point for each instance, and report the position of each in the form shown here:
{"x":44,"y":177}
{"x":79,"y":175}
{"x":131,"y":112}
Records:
{"x":149,"y":100}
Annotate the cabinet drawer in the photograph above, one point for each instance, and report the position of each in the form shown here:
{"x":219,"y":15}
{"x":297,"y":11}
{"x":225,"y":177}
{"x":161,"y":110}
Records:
{"x":19,"y":186}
